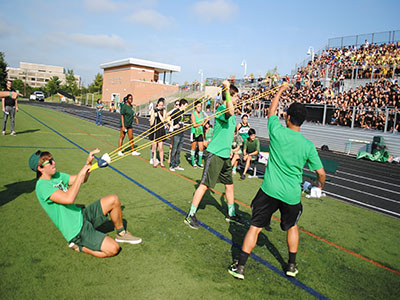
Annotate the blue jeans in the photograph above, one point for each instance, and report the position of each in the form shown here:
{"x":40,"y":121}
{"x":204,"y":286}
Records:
{"x":9,"y":112}
{"x":98,"y":118}
{"x":176,"y":150}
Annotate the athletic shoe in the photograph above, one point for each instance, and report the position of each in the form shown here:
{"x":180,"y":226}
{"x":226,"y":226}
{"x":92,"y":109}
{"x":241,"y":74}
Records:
{"x":236,"y":270}
{"x":74,"y":247}
{"x":234,"y":219}
{"x":151,"y":161}
{"x":243,"y":176}
{"x":292,"y":270}
{"x":120,"y":153}
{"x":201,"y":166}
{"x":194,"y":166}
{"x":134,"y":153}
{"x":13,"y":133}
{"x":172,"y":169}
{"x":3,"y":133}
{"x":233,"y":172}
{"x":179,"y":168}
{"x":128,"y":238}
{"x":192,"y":221}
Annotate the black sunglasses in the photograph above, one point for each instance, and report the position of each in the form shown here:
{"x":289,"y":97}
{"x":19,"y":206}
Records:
{"x":50,"y":161}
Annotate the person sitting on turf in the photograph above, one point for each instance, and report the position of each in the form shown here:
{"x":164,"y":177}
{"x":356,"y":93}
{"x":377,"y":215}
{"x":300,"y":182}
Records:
{"x":57,"y":193}
{"x":289,"y":151}
{"x":251,"y":148}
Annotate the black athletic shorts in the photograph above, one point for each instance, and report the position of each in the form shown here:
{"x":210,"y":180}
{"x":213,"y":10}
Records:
{"x":196,"y":138}
{"x":263,"y":207}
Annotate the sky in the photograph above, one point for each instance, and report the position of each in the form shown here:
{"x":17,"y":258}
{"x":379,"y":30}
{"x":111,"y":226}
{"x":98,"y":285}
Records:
{"x":214,"y":35}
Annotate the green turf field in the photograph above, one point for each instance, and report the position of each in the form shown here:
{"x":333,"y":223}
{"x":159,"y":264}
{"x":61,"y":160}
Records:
{"x":174,"y":261}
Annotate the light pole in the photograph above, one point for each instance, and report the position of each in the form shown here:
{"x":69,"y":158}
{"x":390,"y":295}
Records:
{"x":310,"y":51}
{"x":244,"y":64}
{"x":201,"y":79}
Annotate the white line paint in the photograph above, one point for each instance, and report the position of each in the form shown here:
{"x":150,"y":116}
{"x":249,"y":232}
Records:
{"x":364,"y":204}
{"x":369,"y":194}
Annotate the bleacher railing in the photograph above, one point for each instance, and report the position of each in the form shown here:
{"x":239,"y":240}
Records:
{"x":385,"y":37}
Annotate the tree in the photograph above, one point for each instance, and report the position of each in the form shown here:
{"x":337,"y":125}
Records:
{"x":97,"y":85}
{"x":270,"y":73}
{"x":19,"y":85}
{"x":71,"y":86}
{"x":52,"y":86}
{"x":3,"y":71}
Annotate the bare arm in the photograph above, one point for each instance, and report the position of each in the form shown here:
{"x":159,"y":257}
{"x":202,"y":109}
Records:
{"x":152,"y":117}
{"x":230,"y":109}
{"x":275,"y":102}
{"x":122,"y":122}
{"x":89,"y":161}
{"x":70,"y":196}
{"x":321,"y":177}
{"x":14,"y":95}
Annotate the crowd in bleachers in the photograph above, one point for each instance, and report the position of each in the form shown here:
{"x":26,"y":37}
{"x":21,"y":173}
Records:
{"x":370,"y":102}
{"x":366,"y":61}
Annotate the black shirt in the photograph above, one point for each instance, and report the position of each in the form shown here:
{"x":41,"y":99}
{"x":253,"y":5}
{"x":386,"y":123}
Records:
{"x":177,"y":118}
{"x":9,"y":100}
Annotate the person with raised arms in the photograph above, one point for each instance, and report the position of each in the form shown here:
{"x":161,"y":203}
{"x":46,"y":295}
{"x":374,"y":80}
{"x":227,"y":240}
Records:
{"x":289,"y":151}
{"x":217,"y":166}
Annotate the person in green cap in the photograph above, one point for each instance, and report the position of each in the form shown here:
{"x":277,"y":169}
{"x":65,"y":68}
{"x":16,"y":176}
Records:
{"x":57,"y":193}
{"x":217,"y":166}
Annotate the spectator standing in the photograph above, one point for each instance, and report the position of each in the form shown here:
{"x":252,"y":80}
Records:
{"x":99,"y":112}
{"x":177,"y":124}
{"x":158,"y":118}
{"x":10,"y":106}
{"x":196,"y":134}
{"x":126,"y":124}
{"x":244,"y":127}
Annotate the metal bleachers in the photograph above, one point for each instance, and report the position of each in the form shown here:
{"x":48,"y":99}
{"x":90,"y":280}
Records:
{"x":335,"y":137}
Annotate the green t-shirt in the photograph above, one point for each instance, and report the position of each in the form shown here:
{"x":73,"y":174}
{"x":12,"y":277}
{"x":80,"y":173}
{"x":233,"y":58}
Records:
{"x":289,"y":151}
{"x":209,"y":134}
{"x":252,"y":146}
{"x":67,"y":217}
{"x":128,"y":113}
{"x":197,"y":131}
{"x":224,"y":130}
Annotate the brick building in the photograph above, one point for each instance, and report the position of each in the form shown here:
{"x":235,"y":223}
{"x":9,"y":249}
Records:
{"x":145,"y":80}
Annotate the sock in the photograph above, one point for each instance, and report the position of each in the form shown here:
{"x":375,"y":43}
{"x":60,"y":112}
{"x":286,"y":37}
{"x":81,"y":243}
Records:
{"x":292,"y":258}
{"x":200,"y":156}
{"x":193,"y":210}
{"x":192,"y":153}
{"x":243,"y":257}
{"x":120,"y":230}
{"x":233,"y":168}
{"x":231,"y":210}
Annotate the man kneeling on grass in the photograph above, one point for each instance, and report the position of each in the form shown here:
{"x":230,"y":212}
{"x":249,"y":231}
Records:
{"x":78,"y":226}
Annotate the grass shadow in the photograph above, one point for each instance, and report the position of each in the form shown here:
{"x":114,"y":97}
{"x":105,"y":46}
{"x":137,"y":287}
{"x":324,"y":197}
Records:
{"x":27,"y":131}
{"x":238,"y":232}
{"x":14,"y":190}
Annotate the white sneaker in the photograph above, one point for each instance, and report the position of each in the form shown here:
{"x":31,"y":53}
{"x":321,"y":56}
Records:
{"x":134,"y":153}
{"x":120,"y":153}
{"x":233,"y":172}
{"x":179,"y":168}
{"x":3,"y":133}
{"x":13,"y":133}
{"x":172,"y":169}
{"x":151,"y":161}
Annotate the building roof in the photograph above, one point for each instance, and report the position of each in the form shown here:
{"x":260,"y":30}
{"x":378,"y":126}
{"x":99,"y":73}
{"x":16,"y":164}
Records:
{"x":159,"y":67}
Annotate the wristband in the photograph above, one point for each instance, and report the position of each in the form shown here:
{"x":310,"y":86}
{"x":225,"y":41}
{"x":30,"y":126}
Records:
{"x":10,"y":94}
{"x":227,"y":97}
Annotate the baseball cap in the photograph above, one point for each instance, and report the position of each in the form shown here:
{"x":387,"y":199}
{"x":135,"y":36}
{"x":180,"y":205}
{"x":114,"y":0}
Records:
{"x":34,"y":160}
